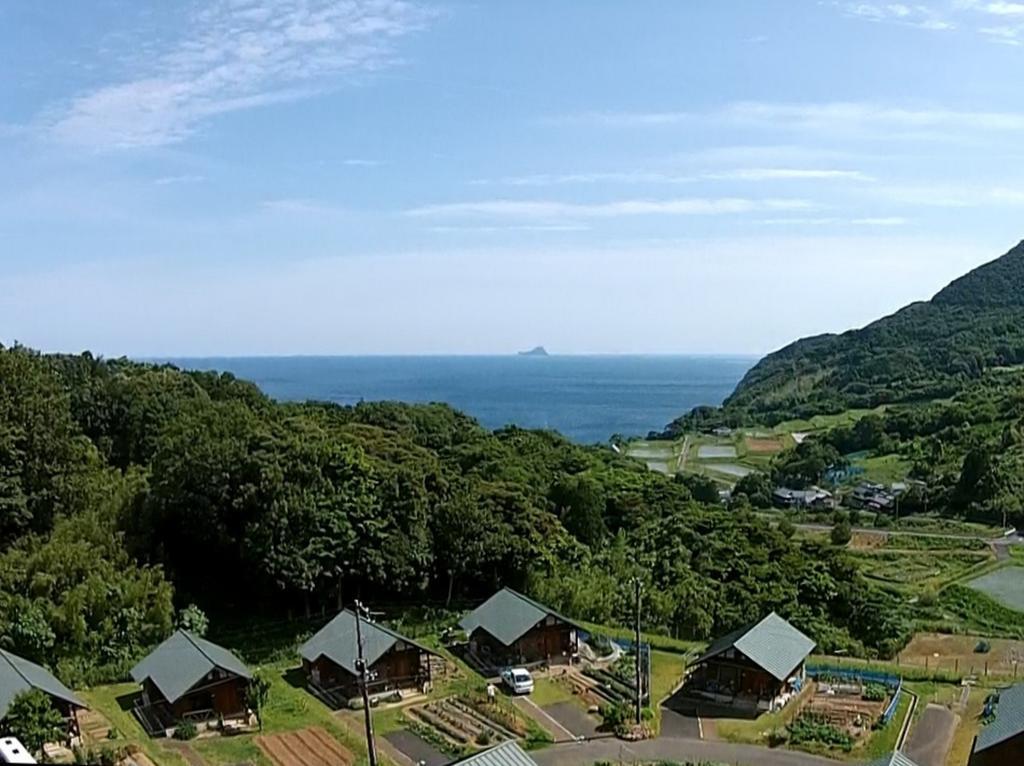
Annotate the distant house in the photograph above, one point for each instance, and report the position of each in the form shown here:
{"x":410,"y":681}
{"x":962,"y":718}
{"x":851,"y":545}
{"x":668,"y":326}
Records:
{"x":1001,"y":741}
{"x":18,"y":675}
{"x":758,"y":667}
{"x":813,"y":498}
{"x":511,"y":629}
{"x":895,"y":758}
{"x":187,"y":678}
{"x":508,"y":753}
{"x":872,"y":497}
{"x":394,"y":662}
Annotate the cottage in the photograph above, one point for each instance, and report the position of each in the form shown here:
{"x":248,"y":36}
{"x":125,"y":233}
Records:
{"x":511,"y":629}
{"x":187,"y":678}
{"x":394,"y":662}
{"x":1001,"y":741}
{"x":508,"y":753}
{"x":759,"y":667}
{"x":18,"y":675}
{"x":813,"y":498}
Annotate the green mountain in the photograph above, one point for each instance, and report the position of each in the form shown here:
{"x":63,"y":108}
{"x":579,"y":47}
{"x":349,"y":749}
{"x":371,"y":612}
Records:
{"x":925,"y":351}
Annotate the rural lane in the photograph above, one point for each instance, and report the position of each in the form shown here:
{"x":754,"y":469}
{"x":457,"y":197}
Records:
{"x":671,"y":749}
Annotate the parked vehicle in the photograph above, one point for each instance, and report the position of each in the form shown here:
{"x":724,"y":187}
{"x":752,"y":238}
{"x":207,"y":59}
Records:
{"x":518,"y":680}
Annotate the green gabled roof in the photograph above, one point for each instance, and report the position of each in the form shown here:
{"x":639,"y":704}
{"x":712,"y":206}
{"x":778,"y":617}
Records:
{"x":182,"y":661}
{"x":773,"y":644}
{"x":508,"y":615}
{"x":895,"y":758}
{"x":1008,"y":721}
{"x":506,"y":754}
{"x":337,"y":642}
{"x":18,"y":675}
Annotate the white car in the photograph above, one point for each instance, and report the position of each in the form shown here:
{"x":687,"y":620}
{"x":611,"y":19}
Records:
{"x":518,"y":680}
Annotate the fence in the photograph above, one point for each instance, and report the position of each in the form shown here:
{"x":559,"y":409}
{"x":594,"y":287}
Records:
{"x":864,"y":675}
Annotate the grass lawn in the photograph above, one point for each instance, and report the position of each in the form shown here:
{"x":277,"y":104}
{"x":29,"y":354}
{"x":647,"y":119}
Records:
{"x":753,"y":732}
{"x":104,"y":699}
{"x":667,"y":670}
{"x":883,"y":741}
{"x":547,"y":691}
{"x":970,"y":724}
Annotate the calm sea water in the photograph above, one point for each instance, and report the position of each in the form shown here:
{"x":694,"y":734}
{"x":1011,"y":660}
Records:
{"x":587,"y":398}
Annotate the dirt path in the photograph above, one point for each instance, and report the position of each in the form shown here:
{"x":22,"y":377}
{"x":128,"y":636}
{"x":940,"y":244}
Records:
{"x":929,"y":742}
{"x":185,"y":751}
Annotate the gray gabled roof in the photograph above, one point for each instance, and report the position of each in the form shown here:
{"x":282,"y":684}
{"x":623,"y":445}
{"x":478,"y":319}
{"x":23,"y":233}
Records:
{"x":1008,"y":721}
{"x":508,"y":616}
{"x":895,"y":758}
{"x":506,"y":754}
{"x":18,"y":675}
{"x":337,"y":642}
{"x":773,"y":644}
{"x":182,"y":661}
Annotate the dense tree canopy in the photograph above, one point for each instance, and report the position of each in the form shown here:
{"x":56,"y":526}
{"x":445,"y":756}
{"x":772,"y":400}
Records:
{"x":127,"y":490}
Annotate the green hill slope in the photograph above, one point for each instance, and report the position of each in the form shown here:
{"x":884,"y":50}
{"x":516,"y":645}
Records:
{"x":924,"y":351}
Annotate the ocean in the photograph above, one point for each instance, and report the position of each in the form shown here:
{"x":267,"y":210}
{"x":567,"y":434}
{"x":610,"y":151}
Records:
{"x":587,"y":398}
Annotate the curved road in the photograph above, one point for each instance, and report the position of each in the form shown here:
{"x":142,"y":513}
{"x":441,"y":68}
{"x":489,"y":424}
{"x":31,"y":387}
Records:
{"x":671,"y":749}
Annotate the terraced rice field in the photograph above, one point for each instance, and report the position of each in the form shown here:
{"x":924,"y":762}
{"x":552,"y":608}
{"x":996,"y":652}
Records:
{"x":730,"y":469}
{"x":716,"y":452}
{"x":306,"y":747}
{"x":1005,"y":585}
{"x":764,"y":446}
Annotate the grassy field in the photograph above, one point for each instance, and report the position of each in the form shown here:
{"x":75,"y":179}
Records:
{"x":289,"y":708}
{"x":105,"y":700}
{"x":884,"y":469}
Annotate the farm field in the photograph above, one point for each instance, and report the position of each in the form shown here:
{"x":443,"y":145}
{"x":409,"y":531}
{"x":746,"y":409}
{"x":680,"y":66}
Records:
{"x":913,"y":568}
{"x":1005,"y":586}
{"x":958,"y":653}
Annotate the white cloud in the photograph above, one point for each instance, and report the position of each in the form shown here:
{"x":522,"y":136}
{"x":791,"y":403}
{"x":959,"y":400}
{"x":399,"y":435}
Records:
{"x":1004,"y":9}
{"x":182,"y":179}
{"x":359,"y":162}
{"x":643,"y":177}
{"x":846,"y":119}
{"x":887,"y":221}
{"x":238,"y":54}
{"x":546,"y":209}
{"x":920,"y":16}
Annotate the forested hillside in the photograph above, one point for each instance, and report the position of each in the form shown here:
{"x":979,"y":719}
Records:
{"x":937,"y":385}
{"x":128,"y":491}
{"x":922,"y":352}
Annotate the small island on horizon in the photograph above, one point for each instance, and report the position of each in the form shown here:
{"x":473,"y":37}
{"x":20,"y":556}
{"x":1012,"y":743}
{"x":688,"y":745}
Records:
{"x":535,"y":351}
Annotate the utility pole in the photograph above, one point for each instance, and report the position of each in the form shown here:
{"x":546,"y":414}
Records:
{"x":638,"y":586}
{"x":371,"y":748}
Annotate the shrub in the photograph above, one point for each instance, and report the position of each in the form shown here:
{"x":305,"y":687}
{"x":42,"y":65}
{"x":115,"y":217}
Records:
{"x":874,"y":692}
{"x":983,"y":647}
{"x":185,"y":730}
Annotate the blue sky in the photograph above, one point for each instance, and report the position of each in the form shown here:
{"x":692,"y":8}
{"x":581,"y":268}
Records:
{"x":376,"y":176}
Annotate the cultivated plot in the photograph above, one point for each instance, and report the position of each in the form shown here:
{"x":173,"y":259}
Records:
{"x":1005,"y":585}
{"x":716,"y":452}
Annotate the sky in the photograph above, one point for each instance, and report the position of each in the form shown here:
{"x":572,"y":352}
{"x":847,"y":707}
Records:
{"x":233,"y":177}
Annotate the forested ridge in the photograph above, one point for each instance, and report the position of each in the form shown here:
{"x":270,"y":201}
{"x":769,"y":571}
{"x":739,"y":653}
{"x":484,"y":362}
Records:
{"x":940,"y":385}
{"x":925,"y":351}
{"x":129,"y":491}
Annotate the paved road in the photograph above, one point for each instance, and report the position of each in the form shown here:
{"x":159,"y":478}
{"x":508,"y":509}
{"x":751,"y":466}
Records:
{"x":416,"y":749}
{"x":574,"y":718}
{"x":997,"y":541}
{"x":672,"y":749}
{"x":929,"y":742}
